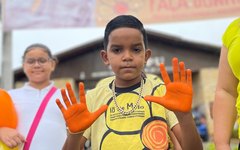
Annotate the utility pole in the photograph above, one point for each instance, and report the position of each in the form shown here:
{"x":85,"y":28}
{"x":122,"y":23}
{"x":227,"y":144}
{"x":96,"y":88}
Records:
{"x":6,"y":68}
{"x":7,"y":71}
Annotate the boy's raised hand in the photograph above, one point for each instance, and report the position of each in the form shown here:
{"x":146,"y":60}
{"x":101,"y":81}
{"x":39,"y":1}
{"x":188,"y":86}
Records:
{"x":76,"y":115}
{"x":179,"y":93}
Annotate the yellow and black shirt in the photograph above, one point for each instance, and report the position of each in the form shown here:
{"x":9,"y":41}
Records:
{"x":145,"y":128}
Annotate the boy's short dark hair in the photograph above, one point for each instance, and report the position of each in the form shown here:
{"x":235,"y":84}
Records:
{"x":124,"y":21}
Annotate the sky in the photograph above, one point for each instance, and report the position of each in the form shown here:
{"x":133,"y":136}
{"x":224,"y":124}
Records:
{"x":59,"y":40}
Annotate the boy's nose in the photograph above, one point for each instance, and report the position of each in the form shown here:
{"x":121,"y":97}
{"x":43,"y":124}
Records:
{"x":127,"y":55}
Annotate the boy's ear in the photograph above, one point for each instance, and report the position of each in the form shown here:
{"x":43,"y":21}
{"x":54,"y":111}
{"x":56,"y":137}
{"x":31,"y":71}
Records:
{"x":148,"y":54}
{"x":104,"y":56}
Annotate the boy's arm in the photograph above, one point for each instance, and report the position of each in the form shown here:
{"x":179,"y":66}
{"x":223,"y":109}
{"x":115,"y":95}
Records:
{"x":74,"y":141}
{"x":186,"y":132}
{"x":178,"y":98}
{"x":76,"y":115}
{"x":174,"y":140}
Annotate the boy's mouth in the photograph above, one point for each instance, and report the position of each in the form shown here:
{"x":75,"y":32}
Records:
{"x":127,"y":67}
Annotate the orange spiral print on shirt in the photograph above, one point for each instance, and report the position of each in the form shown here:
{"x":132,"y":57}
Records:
{"x":154,"y":135}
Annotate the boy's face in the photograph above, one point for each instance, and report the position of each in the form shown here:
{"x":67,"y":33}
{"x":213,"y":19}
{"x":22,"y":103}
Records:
{"x":126,"y":55}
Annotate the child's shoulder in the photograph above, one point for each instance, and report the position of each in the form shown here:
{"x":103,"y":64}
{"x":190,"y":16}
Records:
{"x":16,"y":91}
{"x":105,"y":81}
{"x":153,"y":80}
{"x":232,"y":31}
{"x":102,"y":85}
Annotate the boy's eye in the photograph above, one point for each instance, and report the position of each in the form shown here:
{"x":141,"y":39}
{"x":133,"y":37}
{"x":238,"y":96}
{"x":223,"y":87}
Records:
{"x":137,"y":49}
{"x":116,"y":50}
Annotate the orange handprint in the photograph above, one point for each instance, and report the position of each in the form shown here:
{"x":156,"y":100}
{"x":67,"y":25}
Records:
{"x":179,"y":93}
{"x":76,"y":115}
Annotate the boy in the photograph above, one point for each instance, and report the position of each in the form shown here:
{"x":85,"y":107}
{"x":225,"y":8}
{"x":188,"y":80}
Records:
{"x":130,"y":122}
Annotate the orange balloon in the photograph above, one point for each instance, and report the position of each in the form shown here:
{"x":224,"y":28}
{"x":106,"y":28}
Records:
{"x":8,"y":114}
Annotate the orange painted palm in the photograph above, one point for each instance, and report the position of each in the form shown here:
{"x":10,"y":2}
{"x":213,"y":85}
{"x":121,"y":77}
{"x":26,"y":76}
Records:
{"x":179,"y":93}
{"x":76,"y":115}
